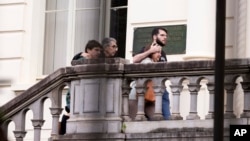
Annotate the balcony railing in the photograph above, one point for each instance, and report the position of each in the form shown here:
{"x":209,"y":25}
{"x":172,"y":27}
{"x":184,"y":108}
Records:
{"x":101,"y":104}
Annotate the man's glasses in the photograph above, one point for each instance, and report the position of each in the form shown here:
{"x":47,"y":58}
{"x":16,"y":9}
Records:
{"x":114,"y":46}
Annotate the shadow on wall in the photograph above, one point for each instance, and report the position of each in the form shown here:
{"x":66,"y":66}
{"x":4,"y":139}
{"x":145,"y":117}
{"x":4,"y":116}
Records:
{"x":2,"y":135}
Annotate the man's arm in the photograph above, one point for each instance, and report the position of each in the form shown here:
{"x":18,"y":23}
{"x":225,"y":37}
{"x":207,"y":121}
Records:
{"x":139,"y":57}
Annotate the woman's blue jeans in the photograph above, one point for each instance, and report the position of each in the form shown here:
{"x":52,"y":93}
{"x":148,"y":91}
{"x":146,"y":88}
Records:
{"x":165,"y":105}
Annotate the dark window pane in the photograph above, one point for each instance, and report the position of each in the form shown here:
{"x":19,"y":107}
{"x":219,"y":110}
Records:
{"x":118,"y":23}
{"x":115,"y":3}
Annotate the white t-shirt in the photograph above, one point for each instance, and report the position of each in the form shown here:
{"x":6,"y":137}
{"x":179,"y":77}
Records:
{"x":147,"y":60}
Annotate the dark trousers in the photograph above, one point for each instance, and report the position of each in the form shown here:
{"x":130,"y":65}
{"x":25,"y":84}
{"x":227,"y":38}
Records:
{"x":62,"y":130}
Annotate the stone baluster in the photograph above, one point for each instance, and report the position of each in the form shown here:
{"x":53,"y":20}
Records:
{"x":37,"y":120}
{"x":4,"y":128}
{"x":176,"y":89}
{"x":246,"y":109}
{"x":37,"y":128}
{"x":55,"y":112}
{"x":140,"y":115}
{"x":19,"y":135}
{"x":158,"y":89}
{"x":210,"y":87}
{"x":229,"y":106}
{"x":19,"y":121}
{"x":193,"y":88}
{"x":125,"y":94}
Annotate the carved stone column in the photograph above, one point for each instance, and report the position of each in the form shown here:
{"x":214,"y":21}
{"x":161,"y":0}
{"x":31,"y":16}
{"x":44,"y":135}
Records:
{"x":193,"y":114}
{"x":158,"y":89}
{"x":125,"y":106}
{"x":210,"y":87}
{"x":176,"y":89}
{"x":246,"y":109}
{"x":229,"y":107}
{"x":37,"y":123}
{"x":140,"y":115}
{"x":19,"y":135}
{"x":19,"y":120}
{"x":55,"y":112}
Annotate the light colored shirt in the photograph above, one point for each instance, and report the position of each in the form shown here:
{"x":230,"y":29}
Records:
{"x":147,"y":60}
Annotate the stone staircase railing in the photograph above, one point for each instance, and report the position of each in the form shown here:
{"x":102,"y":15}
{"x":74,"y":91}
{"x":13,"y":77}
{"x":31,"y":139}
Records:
{"x":101,"y":108}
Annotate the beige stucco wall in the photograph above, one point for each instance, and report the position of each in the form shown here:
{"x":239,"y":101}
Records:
{"x":153,"y":13}
{"x":21,"y":35}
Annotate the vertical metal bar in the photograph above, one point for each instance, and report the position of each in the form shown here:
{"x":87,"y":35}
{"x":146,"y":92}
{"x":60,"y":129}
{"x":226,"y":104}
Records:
{"x":219,"y":70}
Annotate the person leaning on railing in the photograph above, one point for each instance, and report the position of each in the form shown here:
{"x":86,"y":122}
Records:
{"x":154,"y":53}
{"x":93,"y":50}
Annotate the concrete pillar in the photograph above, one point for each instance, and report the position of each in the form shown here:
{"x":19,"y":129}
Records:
{"x":140,"y":115}
{"x":176,"y":90}
{"x":193,"y":114}
{"x":37,"y":123}
{"x":55,"y":112}
{"x":158,"y":89}
{"x":19,"y":135}
{"x":246,"y":109}
{"x":241,"y":29}
{"x":248,"y":31}
{"x":201,"y":30}
{"x":96,"y":97}
{"x":230,"y":87}
{"x":210,"y":87}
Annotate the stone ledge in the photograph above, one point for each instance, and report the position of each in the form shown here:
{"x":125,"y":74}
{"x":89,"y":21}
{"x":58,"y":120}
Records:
{"x":99,"y":61}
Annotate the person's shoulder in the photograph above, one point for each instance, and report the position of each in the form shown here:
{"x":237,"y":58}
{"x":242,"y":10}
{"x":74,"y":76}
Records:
{"x":163,"y":52}
{"x":140,"y":51}
{"x":77,"y":56}
{"x":163,"y":57}
{"x":146,"y":60}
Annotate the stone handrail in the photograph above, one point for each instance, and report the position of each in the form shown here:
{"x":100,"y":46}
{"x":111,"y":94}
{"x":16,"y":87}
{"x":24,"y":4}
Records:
{"x":113,"y":77}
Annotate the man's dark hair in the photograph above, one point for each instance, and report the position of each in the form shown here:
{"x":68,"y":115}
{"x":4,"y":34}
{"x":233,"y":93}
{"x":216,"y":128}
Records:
{"x":91,"y":44}
{"x":155,"y":31}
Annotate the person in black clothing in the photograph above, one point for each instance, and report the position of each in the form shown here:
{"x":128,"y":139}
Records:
{"x":159,"y":40}
{"x":92,"y":51}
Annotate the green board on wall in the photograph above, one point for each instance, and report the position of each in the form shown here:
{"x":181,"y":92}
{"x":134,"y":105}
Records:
{"x":176,"y":39}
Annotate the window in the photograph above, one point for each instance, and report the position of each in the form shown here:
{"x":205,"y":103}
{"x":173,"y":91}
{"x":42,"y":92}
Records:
{"x":56,"y":25}
{"x":69,"y":24}
{"x":118,"y":24}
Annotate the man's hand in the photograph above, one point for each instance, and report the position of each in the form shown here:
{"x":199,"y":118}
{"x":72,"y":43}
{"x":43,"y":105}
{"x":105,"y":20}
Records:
{"x":154,"y":48}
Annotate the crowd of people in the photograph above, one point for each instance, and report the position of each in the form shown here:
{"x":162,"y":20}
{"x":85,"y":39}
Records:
{"x":148,"y":54}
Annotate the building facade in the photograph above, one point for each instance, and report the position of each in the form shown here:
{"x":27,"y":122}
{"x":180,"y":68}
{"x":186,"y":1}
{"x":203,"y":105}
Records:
{"x":39,"y":37}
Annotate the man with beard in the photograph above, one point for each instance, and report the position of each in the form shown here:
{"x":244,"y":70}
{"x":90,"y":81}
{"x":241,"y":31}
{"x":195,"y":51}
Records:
{"x":159,"y":39}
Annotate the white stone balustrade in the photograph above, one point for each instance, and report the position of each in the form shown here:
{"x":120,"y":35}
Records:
{"x":100,"y":98}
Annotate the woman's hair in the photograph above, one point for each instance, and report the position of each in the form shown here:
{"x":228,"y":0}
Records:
{"x":147,"y":47}
{"x":91,"y":44}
